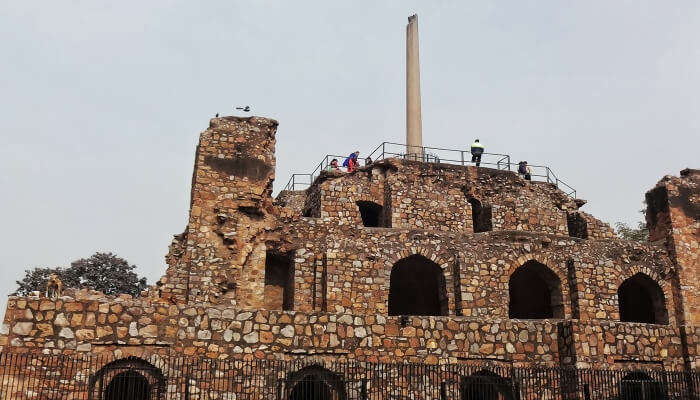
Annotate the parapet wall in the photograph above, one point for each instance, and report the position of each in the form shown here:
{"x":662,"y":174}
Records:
{"x":96,"y":325}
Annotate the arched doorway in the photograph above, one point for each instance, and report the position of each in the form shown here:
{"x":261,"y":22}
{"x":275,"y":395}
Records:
{"x":128,"y":385}
{"x":641,"y":299}
{"x":535,"y":292}
{"x":315,"y":383}
{"x":417,"y":287}
{"x":638,"y":385}
{"x":129,"y":378}
{"x":485,"y":385}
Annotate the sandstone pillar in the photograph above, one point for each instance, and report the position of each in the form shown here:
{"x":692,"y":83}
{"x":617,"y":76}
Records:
{"x":414,"y":129}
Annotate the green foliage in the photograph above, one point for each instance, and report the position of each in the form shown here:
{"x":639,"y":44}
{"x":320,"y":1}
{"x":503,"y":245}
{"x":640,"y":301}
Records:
{"x":105,"y":272}
{"x":638,"y":234}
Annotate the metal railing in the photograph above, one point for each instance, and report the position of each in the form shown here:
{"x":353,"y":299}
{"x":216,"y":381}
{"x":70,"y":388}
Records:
{"x":162,"y":377}
{"x":430,"y":155}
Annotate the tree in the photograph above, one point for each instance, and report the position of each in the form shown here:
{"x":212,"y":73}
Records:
{"x":638,"y":234}
{"x":105,"y":272}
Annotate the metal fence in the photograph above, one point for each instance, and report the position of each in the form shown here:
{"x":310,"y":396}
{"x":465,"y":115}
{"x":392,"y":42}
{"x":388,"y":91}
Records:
{"x":26,"y":376}
{"x":430,"y":155}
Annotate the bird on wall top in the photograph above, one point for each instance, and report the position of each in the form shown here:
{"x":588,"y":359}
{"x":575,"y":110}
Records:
{"x":244,"y":109}
{"x":217,"y":115}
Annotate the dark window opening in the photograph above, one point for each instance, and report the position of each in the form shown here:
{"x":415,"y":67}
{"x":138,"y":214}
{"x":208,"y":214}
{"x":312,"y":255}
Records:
{"x":315,"y":383}
{"x":535,"y":293}
{"x":417,"y":287}
{"x":486,"y":385}
{"x":128,"y":385}
{"x":279,"y":280}
{"x":578,"y":227}
{"x":642,"y":300}
{"x":371,"y":213}
{"x":638,"y":385}
{"x":481,"y":216}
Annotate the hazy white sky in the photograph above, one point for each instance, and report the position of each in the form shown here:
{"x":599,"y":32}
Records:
{"x":101,"y":103}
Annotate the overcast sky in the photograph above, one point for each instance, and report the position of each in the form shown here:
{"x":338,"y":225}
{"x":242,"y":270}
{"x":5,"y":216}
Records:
{"x":101,"y":103}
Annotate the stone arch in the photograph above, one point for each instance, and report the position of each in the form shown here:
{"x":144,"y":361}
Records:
{"x":639,"y":385}
{"x":535,"y":292}
{"x":314,"y":382}
{"x":654,"y":275}
{"x":641,"y":299}
{"x":417,"y":286}
{"x":131,"y":376}
{"x":485,"y":385}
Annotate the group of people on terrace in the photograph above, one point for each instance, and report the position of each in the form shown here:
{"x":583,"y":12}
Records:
{"x":477,"y":150}
{"x":351,"y":163}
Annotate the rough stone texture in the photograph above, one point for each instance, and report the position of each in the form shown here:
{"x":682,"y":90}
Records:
{"x":215,"y":301}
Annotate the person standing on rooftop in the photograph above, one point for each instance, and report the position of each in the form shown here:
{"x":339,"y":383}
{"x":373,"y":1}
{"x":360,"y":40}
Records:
{"x":351,"y":161}
{"x":477,"y":150}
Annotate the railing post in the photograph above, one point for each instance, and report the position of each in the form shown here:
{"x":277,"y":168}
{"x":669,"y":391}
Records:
{"x":280,"y":390}
{"x":507,"y":155}
{"x":461,"y":155}
{"x":443,"y":390}
{"x":363,"y":390}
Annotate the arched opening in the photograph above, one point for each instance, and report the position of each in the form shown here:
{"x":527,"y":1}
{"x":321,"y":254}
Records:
{"x":535,"y":293}
{"x":128,"y":378}
{"x":417,"y":287}
{"x":578,"y":227}
{"x":370,"y":212}
{"x":481,"y":216}
{"x":128,"y":385}
{"x":641,"y":299}
{"x":638,"y":385}
{"x":279,"y":280}
{"x":485,"y":385}
{"x":315,"y":383}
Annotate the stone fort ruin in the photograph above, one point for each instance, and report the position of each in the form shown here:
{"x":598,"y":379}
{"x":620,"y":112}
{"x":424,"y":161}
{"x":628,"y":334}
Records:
{"x":406,"y":279}
{"x":401,"y":261}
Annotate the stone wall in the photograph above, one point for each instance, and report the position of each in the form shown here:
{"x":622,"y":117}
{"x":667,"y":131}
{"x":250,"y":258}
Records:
{"x":221,"y":254}
{"x":673,"y":217}
{"x":437,"y":197}
{"x":94,"y":324}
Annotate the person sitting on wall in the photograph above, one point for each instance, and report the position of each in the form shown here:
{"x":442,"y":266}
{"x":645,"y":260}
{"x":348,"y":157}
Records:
{"x":333,"y":166}
{"x":351,"y":161}
{"x":368,"y":161}
{"x":524,"y":170}
{"x":477,"y":150}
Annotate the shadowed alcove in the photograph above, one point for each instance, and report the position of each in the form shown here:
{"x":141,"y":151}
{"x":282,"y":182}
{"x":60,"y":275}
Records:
{"x":128,"y":378}
{"x":417,"y":287}
{"x":481,"y":216}
{"x":371,"y":213}
{"x":485,"y":385}
{"x":315,"y":383}
{"x":641,"y":299}
{"x":535,"y":293}
{"x":279,"y":280}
